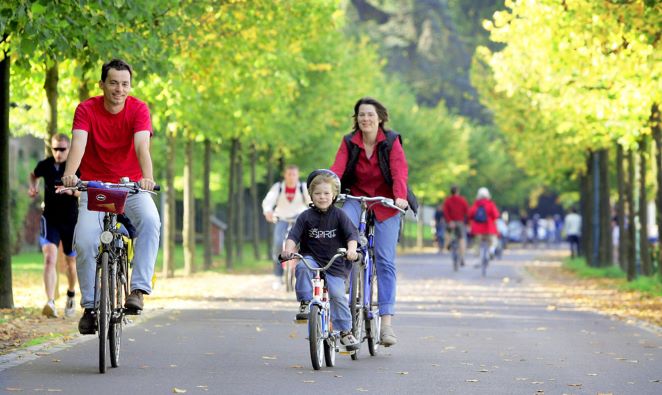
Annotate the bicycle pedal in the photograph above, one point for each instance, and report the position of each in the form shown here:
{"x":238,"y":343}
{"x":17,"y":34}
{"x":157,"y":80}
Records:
{"x":133,"y":311}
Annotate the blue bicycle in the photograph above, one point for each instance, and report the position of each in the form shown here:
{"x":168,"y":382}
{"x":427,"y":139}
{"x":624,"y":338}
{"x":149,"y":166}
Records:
{"x":363,"y":302}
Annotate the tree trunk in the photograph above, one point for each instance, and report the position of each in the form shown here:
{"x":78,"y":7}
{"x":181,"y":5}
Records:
{"x":644,"y":253}
{"x":189,"y":211}
{"x":632,"y":253}
{"x":84,"y":86}
{"x":620,"y":209}
{"x":169,"y":212}
{"x":6,"y":294}
{"x":50,"y":86}
{"x":605,"y":254}
{"x":588,"y":215}
{"x":239,"y":193}
{"x":256,"y":207}
{"x":270,"y":182}
{"x":657,"y":135}
{"x":420,"y":222}
{"x":206,"y":207}
{"x":231,"y":212}
{"x":584,"y":210}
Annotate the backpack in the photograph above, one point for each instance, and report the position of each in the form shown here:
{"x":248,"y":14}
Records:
{"x":383,"y":152}
{"x":480,"y":215}
{"x":303,"y":197}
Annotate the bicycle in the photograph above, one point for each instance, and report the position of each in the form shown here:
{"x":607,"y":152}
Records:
{"x":484,"y":253}
{"x":322,"y":339}
{"x":111,"y":284}
{"x":288,"y":267}
{"x":454,"y":232}
{"x":363,"y":305}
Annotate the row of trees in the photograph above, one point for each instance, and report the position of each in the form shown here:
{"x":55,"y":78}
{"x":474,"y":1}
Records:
{"x":577,"y":90}
{"x":235,"y":89}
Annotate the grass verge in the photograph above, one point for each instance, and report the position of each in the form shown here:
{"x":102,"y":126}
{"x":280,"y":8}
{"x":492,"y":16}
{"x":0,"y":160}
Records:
{"x":648,"y":285}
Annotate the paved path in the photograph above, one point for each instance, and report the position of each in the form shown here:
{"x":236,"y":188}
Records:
{"x":458,"y":333}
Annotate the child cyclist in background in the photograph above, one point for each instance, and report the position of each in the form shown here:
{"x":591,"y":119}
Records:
{"x":319,"y":232}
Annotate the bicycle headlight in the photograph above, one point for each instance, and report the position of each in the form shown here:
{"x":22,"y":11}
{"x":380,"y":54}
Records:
{"x":106,"y":237}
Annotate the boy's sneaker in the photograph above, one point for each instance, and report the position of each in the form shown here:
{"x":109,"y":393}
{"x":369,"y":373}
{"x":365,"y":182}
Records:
{"x":49,"y":309}
{"x":135,"y":300}
{"x":88,"y":322}
{"x":70,"y":307}
{"x":349,"y":341}
{"x":304,"y":310}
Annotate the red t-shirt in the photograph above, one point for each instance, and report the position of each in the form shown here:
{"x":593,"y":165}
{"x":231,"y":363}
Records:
{"x":290,"y":193}
{"x":110,"y":153}
{"x":372,"y":181}
{"x":455,"y":208}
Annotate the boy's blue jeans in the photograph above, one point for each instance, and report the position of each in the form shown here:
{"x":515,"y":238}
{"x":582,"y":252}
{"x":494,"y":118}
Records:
{"x":341,"y":318}
{"x":386,"y":240}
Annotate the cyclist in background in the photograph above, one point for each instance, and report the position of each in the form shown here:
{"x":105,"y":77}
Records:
{"x":285,"y":201}
{"x":456,"y":210}
{"x":111,"y":139}
{"x":57,"y":224}
{"x":483,"y":215}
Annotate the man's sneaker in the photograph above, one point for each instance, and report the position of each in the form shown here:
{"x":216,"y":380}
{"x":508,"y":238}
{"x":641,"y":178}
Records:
{"x":349,"y":341}
{"x":304,"y":310}
{"x":135,"y":300}
{"x":88,"y":322}
{"x":49,"y":309}
{"x":388,"y":338}
{"x":70,"y":307}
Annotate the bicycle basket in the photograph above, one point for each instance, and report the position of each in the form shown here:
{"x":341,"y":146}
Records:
{"x":106,"y":200}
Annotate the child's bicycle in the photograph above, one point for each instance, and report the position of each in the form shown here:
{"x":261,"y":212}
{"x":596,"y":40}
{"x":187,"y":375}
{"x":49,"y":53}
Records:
{"x":324,"y":341}
{"x":111,"y":283}
{"x":363,"y":304}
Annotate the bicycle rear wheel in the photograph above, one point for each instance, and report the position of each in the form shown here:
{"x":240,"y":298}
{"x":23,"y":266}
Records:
{"x":329,"y":344}
{"x":456,"y":258}
{"x":373,"y":326}
{"x":116,"y":301}
{"x":315,"y":337}
{"x":356,"y":306}
{"x":484,"y":257}
{"x":104,"y":312}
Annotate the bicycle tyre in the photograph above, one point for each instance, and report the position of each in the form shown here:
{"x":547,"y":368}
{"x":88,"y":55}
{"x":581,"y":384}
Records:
{"x":374,"y":325}
{"x":356,"y":307}
{"x":329,"y":346}
{"x":484,"y":258}
{"x":116,"y":301}
{"x":315,"y":337}
{"x":456,"y":258}
{"x":104,"y":313}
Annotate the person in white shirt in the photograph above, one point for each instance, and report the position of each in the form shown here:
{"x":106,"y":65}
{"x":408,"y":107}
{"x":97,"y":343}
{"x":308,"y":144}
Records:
{"x":284,"y":202}
{"x":573,"y":231}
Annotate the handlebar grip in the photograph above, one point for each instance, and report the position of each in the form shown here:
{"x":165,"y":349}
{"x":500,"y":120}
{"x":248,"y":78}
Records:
{"x":157,"y":187}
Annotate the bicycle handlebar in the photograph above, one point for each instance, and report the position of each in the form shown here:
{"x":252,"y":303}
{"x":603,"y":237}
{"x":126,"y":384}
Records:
{"x":384,"y":201}
{"x":133,"y":187}
{"x":342,"y":252}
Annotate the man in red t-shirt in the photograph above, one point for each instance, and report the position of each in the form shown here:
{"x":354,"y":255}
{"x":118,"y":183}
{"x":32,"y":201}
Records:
{"x":455,"y":210}
{"x":111,"y":139}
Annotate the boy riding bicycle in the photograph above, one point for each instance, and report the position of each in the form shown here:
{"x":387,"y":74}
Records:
{"x":319,"y":232}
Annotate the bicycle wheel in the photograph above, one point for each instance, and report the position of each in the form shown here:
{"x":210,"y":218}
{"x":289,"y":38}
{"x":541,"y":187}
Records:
{"x":374,"y":324}
{"x":484,"y":257}
{"x":456,"y":258}
{"x":116,"y":301}
{"x":104,"y":312}
{"x":356,"y":306}
{"x":329,"y":345}
{"x":315,"y":337}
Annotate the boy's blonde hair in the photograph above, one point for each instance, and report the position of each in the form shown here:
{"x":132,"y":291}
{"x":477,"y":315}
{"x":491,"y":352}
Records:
{"x":324,"y":178}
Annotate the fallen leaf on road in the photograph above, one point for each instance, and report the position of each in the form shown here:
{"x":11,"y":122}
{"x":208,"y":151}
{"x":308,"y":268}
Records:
{"x":551,"y":307}
{"x":173,"y":366}
{"x":13,"y":389}
{"x":338,"y":376}
{"x":506,"y":280}
{"x":132,"y":340}
{"x":591,"y":374}
{"x":362,"y":389}
{"x":178,"y":390}
{"x":633,"y":361}
{"x":54,"y":390}
{"x":605,"y":393}
{"x":574,"y":385}
{"x":268,"y":357}
{"x":521,"y":378}
{"x":309,"y":381}
{"x":471,"y":380}
{"x":435,"y":364}
{"x":144,"y":366}
{"x":258,"y":329}
{"x":537,"y":382}
{"x":55,"y":360}
{"x":296,"y":367}
{"x":403,"y":373}
{"x":655,"y":381}
{"x":210,"y":353}
{"x":541,"y":328}
{"x":293,"y":335}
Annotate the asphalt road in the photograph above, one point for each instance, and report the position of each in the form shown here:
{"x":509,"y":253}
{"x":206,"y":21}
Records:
{"x":458,"y":333}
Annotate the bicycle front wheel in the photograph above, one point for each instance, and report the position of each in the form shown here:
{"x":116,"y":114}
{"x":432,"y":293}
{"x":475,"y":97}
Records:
{"x":315,"y":337}
{"x":104,"y":312}
{"x":356,"y":306}
{"x":116,"y":301}
{"x":374,"y":324}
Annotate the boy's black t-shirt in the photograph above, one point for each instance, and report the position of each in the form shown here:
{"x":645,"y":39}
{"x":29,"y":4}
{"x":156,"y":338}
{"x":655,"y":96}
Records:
{"x":320,"y":234}
{"x":57,"y":207}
